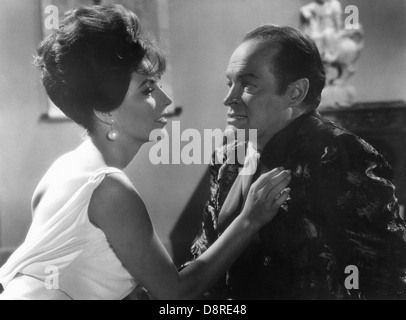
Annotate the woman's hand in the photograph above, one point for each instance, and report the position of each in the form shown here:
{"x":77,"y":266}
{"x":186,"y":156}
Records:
{"x":266,"y":196}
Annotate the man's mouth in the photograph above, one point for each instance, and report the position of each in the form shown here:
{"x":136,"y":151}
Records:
{"x":237,"y":116}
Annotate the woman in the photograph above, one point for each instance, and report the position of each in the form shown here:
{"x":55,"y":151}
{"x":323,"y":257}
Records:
{"x":91,"y":235}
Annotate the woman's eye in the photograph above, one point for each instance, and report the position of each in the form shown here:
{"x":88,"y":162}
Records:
{"x":148,"y":91}
{"x":229,"y":84}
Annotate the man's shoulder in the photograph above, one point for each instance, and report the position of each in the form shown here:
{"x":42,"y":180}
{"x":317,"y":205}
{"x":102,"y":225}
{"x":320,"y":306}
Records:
{"x":318,"y":126}
{"x":347,"y":140}
{"x":318,"y":139}
{"x":324,"y":132}
{"x":310,"y":136}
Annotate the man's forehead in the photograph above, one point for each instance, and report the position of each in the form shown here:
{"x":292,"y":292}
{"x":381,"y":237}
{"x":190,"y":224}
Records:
{"x":242,"y":68}
{"x":251,"y":54}
{"x":256,"y":48}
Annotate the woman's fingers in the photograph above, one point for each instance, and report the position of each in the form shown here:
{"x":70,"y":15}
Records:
{"x":264,"y":179}
{"x":282,"y":198}
{"x":267,"y":195}
{"x":274,"y":181}
{"x":276,"y":190}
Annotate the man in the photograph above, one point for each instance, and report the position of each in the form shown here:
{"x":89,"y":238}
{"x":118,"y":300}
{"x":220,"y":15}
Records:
{"x":343,"y":211}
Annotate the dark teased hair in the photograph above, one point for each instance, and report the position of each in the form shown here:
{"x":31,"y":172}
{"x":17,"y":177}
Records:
{"x":87,"y":64}
{"x":297,"y":57}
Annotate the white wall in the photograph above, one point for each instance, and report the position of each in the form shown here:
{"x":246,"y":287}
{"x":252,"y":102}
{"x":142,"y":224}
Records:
{"x":381,"y":69}
{"x":27,"y":146}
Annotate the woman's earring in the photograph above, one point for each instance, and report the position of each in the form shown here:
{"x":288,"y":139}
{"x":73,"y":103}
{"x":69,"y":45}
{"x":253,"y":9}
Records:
{"x":112,"y":134}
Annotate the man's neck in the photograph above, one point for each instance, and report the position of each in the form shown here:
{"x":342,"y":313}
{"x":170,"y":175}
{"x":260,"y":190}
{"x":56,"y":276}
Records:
{"x":263,"y":141}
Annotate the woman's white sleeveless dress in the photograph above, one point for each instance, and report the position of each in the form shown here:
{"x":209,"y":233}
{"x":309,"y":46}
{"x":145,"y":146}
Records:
{"x":67,"y":257}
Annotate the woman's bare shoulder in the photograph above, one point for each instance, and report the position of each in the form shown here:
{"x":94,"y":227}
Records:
{"x":118,"y":185}
{"x":115,"y":197}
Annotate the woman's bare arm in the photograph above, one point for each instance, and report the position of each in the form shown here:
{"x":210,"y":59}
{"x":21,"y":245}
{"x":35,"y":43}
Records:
{"x":118,"y":210}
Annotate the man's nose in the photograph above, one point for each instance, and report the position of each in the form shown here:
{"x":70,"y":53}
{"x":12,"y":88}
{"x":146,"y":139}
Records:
{"x":232,"y":97}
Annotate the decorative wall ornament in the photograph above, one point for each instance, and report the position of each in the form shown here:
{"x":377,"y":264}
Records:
{"x":340,"y":45}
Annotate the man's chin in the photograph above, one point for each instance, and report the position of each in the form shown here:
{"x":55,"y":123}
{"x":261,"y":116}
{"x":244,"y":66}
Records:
{"x":237,"y":127}
{"x":238,"y":123}
{"x":238,"y":132}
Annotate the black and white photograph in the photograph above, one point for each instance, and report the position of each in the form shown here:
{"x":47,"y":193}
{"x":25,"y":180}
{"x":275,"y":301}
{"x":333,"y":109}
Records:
{"x":220,"y":151}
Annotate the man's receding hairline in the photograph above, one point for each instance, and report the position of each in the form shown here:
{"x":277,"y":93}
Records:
{"x":264,"y":44}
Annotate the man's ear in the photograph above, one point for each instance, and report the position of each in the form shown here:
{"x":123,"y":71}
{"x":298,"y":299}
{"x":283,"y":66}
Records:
{"x":298,"y":91}
{"x":105,"y":117}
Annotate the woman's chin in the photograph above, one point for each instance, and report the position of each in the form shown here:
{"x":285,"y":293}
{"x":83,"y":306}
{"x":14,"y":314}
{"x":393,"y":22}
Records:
{"x":157,"y":135}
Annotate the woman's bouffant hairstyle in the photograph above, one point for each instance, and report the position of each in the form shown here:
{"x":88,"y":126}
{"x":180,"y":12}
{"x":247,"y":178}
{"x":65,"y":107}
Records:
{"x":87,"y":64}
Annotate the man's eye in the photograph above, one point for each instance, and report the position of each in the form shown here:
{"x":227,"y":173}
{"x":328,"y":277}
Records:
{"x":248,"y":86}
{"x":229,"y":84}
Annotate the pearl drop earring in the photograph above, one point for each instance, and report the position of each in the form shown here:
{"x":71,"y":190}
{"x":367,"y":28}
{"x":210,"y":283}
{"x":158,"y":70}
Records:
{"x":112,"y":134}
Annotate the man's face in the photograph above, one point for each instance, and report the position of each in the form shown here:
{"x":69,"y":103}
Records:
{"x":252,"y":100}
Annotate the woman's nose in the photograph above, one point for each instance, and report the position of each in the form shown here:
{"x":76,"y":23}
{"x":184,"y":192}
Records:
{"x":165,"y":98}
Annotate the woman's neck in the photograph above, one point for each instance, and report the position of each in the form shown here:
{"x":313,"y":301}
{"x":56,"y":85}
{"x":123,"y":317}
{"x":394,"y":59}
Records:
{"x":117,"y":154}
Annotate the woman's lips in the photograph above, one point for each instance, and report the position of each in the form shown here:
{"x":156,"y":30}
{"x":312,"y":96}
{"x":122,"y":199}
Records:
{"x":167,"y":114}
{"x":162,"y":119}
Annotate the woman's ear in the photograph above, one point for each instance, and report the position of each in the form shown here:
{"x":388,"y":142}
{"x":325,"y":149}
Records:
{"x":105,"y":117}
{"x":298,"y":91}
